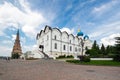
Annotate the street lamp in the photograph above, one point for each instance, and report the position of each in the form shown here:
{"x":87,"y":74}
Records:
{"x":82,"y":42}
{"x":82,"y":45}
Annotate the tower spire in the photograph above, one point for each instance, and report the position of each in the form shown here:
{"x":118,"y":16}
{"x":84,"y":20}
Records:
{"x":17,"y":37}
{"x":17,"y":46}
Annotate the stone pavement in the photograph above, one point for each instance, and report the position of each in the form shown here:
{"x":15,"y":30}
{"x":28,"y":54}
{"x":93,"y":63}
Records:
{"x":55,"y":70}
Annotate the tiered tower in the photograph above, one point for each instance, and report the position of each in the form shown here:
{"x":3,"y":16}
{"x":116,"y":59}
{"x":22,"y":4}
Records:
{"x":17,"y":46}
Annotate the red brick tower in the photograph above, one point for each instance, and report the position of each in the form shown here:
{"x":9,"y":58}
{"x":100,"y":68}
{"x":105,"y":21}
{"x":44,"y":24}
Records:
{"x":17,"y":46}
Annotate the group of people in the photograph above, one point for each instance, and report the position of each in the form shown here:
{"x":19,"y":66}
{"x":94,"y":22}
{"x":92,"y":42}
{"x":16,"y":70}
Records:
{"x":7,"y":58}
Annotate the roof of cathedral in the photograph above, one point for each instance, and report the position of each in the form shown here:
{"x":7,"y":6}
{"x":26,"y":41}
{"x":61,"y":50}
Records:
{"x":80,"y":33}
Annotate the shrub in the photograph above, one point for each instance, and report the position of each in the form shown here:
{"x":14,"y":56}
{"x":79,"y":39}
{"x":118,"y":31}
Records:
{"x":111,"y":55}
{"x":62,"y":56}
{"x":84,"y":58}
{"x":69,"y":56}
{"x":116,"y":58}
{"x":15,"y":56}
{"x":31,"y":58}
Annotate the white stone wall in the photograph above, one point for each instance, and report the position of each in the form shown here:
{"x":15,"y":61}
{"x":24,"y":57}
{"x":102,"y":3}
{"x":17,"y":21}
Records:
{"x":63,"y":39}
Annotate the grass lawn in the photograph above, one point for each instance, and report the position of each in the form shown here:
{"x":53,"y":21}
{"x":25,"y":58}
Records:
{"x":96,"y":62}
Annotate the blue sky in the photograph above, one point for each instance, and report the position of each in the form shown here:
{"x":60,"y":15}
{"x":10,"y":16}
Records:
{"x":99,"y":19}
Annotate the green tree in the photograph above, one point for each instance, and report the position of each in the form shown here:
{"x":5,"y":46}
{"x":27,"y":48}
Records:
{"x":15,"y":56}
{"x":94,"y":46}
{"x":117,"y":49}
{"x":107,"y":50}
{"x":94,"y":52}
{"x":117,"y":46}
{"x":103,"y":50}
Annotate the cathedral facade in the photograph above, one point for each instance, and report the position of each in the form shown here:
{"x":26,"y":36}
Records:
{"x":56,"y":43}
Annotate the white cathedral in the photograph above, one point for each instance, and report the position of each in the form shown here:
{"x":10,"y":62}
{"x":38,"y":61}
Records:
{"x":51,"y":42}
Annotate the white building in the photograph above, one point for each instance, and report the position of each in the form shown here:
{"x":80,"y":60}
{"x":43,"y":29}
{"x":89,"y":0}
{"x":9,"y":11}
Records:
{"x":58,"y":43}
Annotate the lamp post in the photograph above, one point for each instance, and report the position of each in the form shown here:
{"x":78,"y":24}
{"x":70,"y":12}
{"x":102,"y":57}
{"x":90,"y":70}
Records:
{"x":82,"y":45}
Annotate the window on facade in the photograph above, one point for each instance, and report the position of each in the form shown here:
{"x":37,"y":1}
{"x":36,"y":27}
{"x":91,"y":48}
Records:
{"x":70,"y":41}
{"x":55,"y":37}
{"x":42,"y":40}
{"x":55,"y":45}
{"x":70,"y":48}
{"x":47,"y":37}
{"x":64,"y":48}
{"x":76,"y":49}
{"x":79,"y":49}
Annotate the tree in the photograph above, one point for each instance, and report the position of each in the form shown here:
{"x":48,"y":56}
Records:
{"x":94,"y":46}
{"x":107,"y":50}
{"x":117,"y":46}
{"x":94,"y":52}
{"x":117,"y":49}
{"x":103,"y":49}
{"x":15,"y":56}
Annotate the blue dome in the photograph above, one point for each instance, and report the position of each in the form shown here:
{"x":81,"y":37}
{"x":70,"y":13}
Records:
{"x":86,"y":37}
{"x":80,"y":33}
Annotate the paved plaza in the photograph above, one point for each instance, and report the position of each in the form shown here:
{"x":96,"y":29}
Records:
{"x":54,"y":70}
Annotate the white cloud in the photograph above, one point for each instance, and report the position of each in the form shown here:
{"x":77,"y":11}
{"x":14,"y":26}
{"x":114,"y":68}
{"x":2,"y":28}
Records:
{"x":104,"y":8}
{"x":7,"y":42}
{"x":13,"y":37}
{"x":23,"y":40}
{"x":105,"y":30}
{"x":5,"y":51}
{"x":29,"y":48}
{"x":67,"y":30}
{"x":28,"y":20}
{"x":1,"y":33}
{"x":19,"y":15}
{"x":109,"y":40}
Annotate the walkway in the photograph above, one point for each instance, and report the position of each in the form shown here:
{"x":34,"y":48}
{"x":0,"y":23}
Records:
{"x":54,"y":70}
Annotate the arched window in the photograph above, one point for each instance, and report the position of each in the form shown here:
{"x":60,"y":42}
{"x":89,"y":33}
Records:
{"x":79,"y":50}
{"x":64,"y":47}
{"x":75,"y":49}
{"x":55,"y":45}
{"x":55,"y":37}
{"x":70,"y":41}
{"x":70,"y":48}
{"x":47,"y":37}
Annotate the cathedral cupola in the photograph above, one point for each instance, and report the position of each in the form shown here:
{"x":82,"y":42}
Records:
{"x":80,"y":33}
{"x":86,"y":37}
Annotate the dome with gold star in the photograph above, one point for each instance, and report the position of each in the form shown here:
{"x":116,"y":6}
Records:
{"x":80,"y":33}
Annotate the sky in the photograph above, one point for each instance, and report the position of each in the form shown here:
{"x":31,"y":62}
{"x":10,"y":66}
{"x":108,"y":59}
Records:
{"x":99,"y":19}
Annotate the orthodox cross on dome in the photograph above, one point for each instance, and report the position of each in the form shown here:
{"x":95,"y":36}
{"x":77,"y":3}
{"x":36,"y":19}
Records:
{"x":78,"y":30}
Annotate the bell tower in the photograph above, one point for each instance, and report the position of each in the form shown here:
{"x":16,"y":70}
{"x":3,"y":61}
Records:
{"x":17,"y":46}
